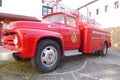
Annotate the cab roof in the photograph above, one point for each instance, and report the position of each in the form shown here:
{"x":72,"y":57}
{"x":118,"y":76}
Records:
{"x":64,"y":13}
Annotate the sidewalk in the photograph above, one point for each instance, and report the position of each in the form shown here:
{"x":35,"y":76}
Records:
{"x":5,"y":54}
{"x":3,"y":50}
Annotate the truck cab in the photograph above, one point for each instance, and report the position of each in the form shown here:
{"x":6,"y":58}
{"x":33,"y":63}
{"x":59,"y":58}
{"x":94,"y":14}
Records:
{"x":58,"y":34}
{"x":68,"y":28}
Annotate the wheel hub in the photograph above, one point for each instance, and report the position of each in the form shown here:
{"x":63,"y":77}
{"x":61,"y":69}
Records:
{"x":49,"y":56}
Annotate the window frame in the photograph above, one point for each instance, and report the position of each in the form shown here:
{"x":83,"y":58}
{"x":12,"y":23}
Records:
{"x":90,"y":13}
{"x":0,"y":3}
{"x":106,"y":8}
{"x":48,"y":18}
{"x":116,"y":5}
{"x":47,"y":10}
{"x":97,"y":11}
{"x":73,"y":26}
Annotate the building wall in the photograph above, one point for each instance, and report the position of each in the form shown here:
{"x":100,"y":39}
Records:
{"x":22,"y":7}
{"x":108,"y":18}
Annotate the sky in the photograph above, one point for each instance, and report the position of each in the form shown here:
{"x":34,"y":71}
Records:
{"x":106,"y":19}
{"x":34,"y":8}
{"x":22,"y":7}
{"x":71,"y":3}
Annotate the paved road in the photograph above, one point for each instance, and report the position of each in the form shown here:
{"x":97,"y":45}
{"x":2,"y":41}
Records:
{"x":83,"y":67}
{"x":86,"y":67}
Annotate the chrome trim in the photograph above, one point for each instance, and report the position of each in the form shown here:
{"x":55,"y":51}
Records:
{"x":72,"y":52}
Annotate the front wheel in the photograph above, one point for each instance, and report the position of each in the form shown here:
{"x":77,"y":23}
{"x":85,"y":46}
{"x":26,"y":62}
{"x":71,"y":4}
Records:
{"x":48,"y":55}
{"x":104,"y":50}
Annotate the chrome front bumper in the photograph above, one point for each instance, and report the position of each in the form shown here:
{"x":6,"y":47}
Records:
{"x":6,"y":55}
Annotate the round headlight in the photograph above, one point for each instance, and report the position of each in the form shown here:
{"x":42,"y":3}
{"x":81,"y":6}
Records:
{"x":15,"y":40}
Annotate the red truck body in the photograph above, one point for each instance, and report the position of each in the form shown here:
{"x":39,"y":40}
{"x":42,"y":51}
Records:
{"x":65,"y":30}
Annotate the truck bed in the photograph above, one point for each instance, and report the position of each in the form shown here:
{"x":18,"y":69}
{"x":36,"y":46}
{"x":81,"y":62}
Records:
{"x":93,"y":38}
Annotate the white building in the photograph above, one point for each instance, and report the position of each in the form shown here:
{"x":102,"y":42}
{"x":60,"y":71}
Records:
{"x":31,"y":8}
{"x":102,"y":11}
{"x":105,"y":12}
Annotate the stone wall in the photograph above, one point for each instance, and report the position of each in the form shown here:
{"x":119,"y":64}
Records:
{"x":115,"y":37}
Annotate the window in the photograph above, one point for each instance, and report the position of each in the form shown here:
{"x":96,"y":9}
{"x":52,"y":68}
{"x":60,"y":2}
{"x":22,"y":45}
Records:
{"x":56,"y":18}
{"x":43,"y":1}
{"x":89,"y":14}
{"x":71,"y":21}
{"x":106,"y":8}
{"x":97,"y":11}
{"x":46,"y":10}
{"x":116,"y":5}
{"x":0,"y":3}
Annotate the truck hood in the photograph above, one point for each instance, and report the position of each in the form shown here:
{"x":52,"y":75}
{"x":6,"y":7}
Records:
{"x":34,"y":25}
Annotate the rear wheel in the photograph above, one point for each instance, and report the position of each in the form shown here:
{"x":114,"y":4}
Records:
{"x":104,"y":50}
{"x":48,"y":55}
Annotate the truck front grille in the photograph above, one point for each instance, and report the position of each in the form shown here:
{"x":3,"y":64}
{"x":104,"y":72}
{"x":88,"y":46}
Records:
{"x":8,"y":40}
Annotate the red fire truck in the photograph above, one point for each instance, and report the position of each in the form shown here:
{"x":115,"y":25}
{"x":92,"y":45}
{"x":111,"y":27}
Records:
{"x":58,"y":34}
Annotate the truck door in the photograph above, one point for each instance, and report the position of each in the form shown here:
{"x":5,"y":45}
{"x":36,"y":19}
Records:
{"x":71,"y":34}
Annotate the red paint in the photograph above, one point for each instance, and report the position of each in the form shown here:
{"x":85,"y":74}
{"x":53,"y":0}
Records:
{"x":29,"y":33}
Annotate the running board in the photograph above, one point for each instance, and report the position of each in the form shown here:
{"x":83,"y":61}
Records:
{"x":72,"y":53}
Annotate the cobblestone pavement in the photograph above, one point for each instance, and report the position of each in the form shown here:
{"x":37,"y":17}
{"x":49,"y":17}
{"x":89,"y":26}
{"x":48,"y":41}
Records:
{"x":83,"y":67}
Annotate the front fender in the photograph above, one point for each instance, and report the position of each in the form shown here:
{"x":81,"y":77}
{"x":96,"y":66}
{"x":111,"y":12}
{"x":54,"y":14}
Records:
{"x":31,"y":37}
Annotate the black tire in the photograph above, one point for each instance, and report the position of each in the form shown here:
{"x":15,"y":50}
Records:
{"x":17,"y":58}
{"x":104,"y":51}
{"x":47,"y":57}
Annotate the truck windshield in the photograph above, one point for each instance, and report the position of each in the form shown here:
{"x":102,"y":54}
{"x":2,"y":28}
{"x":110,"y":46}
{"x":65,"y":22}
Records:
{"x":57,"y":18}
